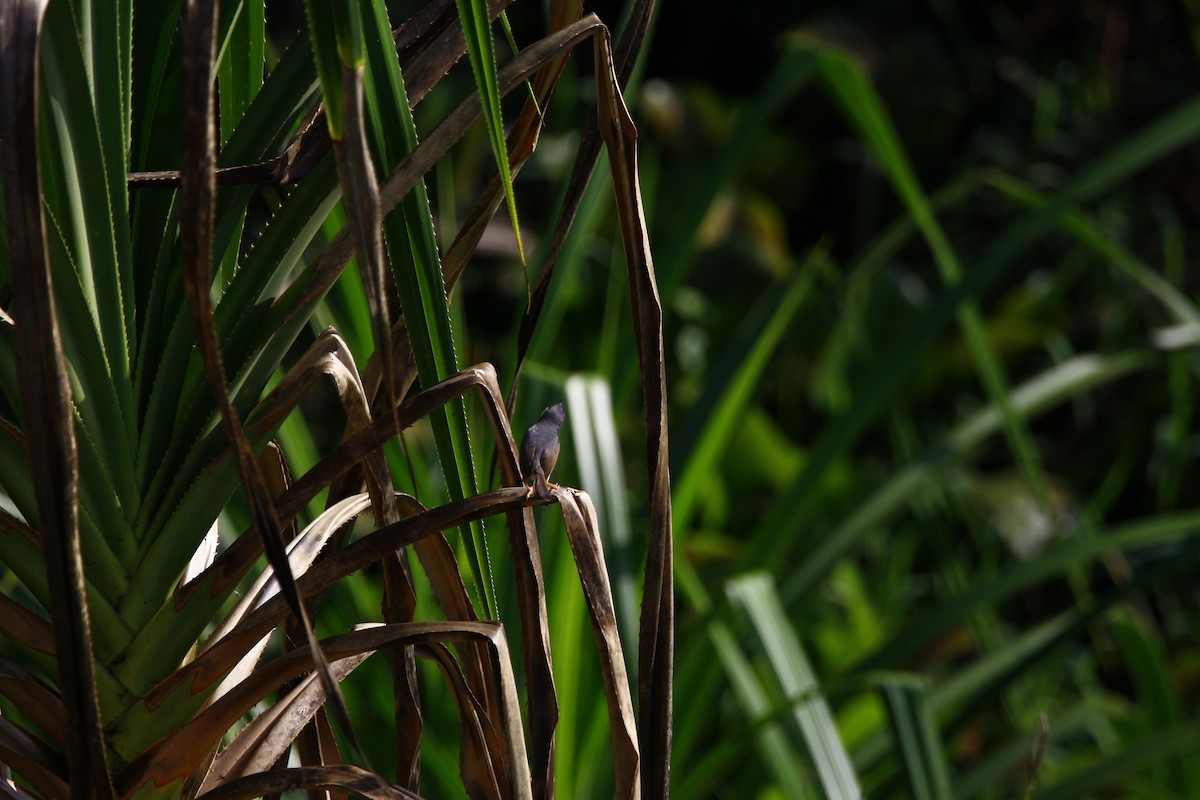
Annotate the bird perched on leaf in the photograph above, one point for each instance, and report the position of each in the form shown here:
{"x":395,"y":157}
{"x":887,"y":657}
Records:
{"x":539,"y":450}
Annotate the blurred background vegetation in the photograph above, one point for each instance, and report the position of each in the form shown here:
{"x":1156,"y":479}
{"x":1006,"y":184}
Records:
{"x":929,"y":287}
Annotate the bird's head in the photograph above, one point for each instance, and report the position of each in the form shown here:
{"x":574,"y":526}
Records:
{"x":554,"y":414}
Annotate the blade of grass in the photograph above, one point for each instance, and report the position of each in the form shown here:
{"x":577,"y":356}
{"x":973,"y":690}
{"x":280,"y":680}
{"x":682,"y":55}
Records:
{"x":1155,"y":693}
{"x":108,"y":39}
{"x":476,"y":25}
{"x":755,"y":597}
{"x":1089,"y":233}
{"x":915,"y":735}
{"x":597,"y":456}
{"x":860,"y":102}
{"x":77,"y":194}
{"x":240,"y":65}
{"x":632,"y":38}
{"x":521,"y":142}
{"x":830,"y":388}
{"x":715,"y":419}
{"x":239,"y":76}
{"x":356,"y":170}
{"x":774,"y":746}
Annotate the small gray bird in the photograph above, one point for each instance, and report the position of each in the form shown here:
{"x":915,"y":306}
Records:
{"x":539,"y":449}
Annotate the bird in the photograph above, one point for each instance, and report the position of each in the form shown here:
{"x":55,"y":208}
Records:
{"x":539,"y":450}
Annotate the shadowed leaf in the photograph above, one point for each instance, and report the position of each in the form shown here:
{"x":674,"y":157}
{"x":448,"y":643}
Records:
{"x":46,"y":395}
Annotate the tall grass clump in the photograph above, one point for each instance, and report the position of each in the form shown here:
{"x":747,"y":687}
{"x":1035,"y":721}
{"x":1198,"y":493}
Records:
{"x":263,"y":528}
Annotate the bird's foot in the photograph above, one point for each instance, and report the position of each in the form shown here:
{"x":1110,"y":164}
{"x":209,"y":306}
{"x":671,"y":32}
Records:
{"x":541,"y":488}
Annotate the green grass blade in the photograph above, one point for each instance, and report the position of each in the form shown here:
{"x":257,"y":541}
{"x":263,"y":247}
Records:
{"x":774,"y":746}
{"x":831,"y":388}
{"x":189,"y":505}
{"x":756,"y":597}
{"x":862,"y":104}
{"x":166,"y":340}
{"x":95,"y":405}
{"x":985,"y":679}
{"x":1006,"y":767}
{"x":155,"y":145}
{"x":78,"y":194}
{"x":1156,"y":697}
{"x":915,"y":736}
{"x":108,"y":45}
{"x":576,"y":682}
{"x":46,"y":394}
{"x":412,"y":246}
{"x":240,"y":62}
{"x":322,"y":25}
{"x":476,"y":25}
{"x":708,"y":431}
{"x":962,"y":696}
{"x":174,"y":419}
{"x":596,"y":448}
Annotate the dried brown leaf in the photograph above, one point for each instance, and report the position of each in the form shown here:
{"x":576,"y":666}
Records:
{"x":579,"y":516}
{"x":325,"y":752}
{"x":206,"y":553}
{"x":399,"y":606}
{"x":428,"y":45}
{"x":197,"y":190}
{"x":39,"y":703}
{"x":328,"y":355}
{"x":302,"y":552}
{"x":481,"y":756}
{"x":360,"y":199}
{"x":177,"y":756}
{"x":45,"y":393}
{"x":269,"y":735}
{"x":26,"y":626}
{"x":211,"y":665}
{"x":40,"y":765}
{"x":531,"y":597}
{"x":352,"y":779}
{"x":173,"y":758}
{"x":15,"y":792}
{"x":656,"y":644}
